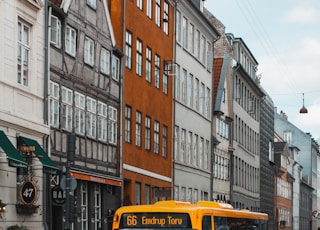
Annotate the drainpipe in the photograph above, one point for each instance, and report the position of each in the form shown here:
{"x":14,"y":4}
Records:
{"x":174,"y":102}
{"x":45,"y":186}
{"x":122,"y":106}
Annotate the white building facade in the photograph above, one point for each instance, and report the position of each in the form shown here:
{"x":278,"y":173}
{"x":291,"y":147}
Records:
{"x":193,"y":103}
{"x":23,"y":125}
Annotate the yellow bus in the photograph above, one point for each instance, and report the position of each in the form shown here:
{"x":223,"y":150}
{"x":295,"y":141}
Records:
{"x":204,"y":215}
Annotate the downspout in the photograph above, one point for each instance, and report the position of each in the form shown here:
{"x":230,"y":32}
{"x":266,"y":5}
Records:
{"x":45,"y":186}
{"x":122,"y":106}
{"x":234,"y":70}
{"x":174,"y":101}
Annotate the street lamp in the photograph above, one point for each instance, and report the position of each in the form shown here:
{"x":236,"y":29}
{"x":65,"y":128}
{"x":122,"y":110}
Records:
{"x":303,"y":109}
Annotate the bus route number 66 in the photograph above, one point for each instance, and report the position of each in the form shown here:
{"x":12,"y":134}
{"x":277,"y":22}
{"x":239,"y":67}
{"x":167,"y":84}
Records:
{"x":131,"y":220}
{"x":28,"y":193}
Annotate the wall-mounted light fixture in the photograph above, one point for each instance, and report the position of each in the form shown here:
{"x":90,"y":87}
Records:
{"x":303,"y":109}
{"x":2,"y":206}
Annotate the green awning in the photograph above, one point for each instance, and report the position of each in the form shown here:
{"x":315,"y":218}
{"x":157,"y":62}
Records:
{"x":15,"y":159}
{"x":48,"y":165}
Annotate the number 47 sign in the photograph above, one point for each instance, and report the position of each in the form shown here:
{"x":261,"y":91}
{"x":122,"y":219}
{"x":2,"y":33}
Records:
{"x":28,"y":193}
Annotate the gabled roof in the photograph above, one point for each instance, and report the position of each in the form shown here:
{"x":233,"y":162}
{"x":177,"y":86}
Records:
{"x":65,"y":5}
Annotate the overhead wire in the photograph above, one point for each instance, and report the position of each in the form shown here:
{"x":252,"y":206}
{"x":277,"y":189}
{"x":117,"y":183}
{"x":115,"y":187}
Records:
{"x":263,"y":37}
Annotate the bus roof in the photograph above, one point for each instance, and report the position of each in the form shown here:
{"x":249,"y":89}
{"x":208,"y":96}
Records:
{"x":207,"y":207}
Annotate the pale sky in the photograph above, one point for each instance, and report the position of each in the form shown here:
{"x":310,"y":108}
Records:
{"x":284,"y":37}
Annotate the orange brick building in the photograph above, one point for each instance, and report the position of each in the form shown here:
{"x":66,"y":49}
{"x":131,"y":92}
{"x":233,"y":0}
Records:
{"x":144,"y":29}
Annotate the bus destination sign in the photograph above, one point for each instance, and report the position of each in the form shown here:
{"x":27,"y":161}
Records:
{"x":155,"y":220}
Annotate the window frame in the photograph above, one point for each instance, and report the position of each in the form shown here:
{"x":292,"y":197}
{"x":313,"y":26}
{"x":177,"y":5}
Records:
{"x":70,"y":40}
{"x":157,"y":64}
{"x":55,"y":27}
{"x":156,"y":133}
{"x":92,"y":4}
{"x":105,"y":61}
{"x":148,"y":133}
{"x":89,"y":51}
{"x":91,"y":117}
{"x":138,"y":128}
{"x":80,"y":113}
{"x":139,"y":57}
{"x":54,"y":104}
{"x":102,"y":121}
{"x":128,"y":55}
{"x":128,"y":128}
{"x":24,"y":53}
{"x":67,"y":108}
{"x":112,"y":124}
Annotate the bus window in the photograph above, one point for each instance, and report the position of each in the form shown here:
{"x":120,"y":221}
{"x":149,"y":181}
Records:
{"x":206,"y":223}
{"x":221,"y":223}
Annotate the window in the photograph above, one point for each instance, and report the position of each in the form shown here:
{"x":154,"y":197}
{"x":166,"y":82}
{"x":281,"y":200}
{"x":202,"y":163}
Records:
{"x":113,"y":119}
{"x":178,"y":26}
{"x":206,"y":155}
{"x":139,"y":58}
{"x":105,"y":61}
{"x":71,"y":37}
{"x":271,"y":151}
{"x":54,"y":104}
{"x":196,"y":94}
{"x":177,"y":83}
{"x":148,"y":133}
{"x":166,"y":18}
{"x":148,"y":64}
{"x":157,"y":72}
{"x":158,"y":10}
{"x":191,"y":38}
{"x":139,"y":4}
{"x":165,"y":79}
{"x":137,"y":193}
{"x":164,"y":141}
{"x":201,"y":152}
{"x":23,"y":53}
{"x":184,"y":32}
{"x":287,"y":136}
{"x":79,"y":100}
{"x":209,"y":57}
{"x":128,"y":50}
{"x":147,"y":190}
{"x":138,"y":129}
{"x":202,"y":98}
{"x":183,"y":146}
{"x":128,"y":124}
{"x":189,"y":148}
{"x":102,"y":121}
{"x":84,"y":204}
{"x":115,"y":68}
{"x":203,"y":49}
{"x":190,"y":90}
{"x":176,"y":142}
{"x":184,"y":86}
{"x":67,"y":99}
{"x":89,"y":51}
{"x":55,"y":31}
{"x":197,"y":44}
{"x":97,"y":206}
{"x":149,"y":8}
{"x":156,"y":137}
{"x":91,"y":117}
{"x":207,"y":103}
{"x":195,"y":151}
{"x":92,"y":3}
